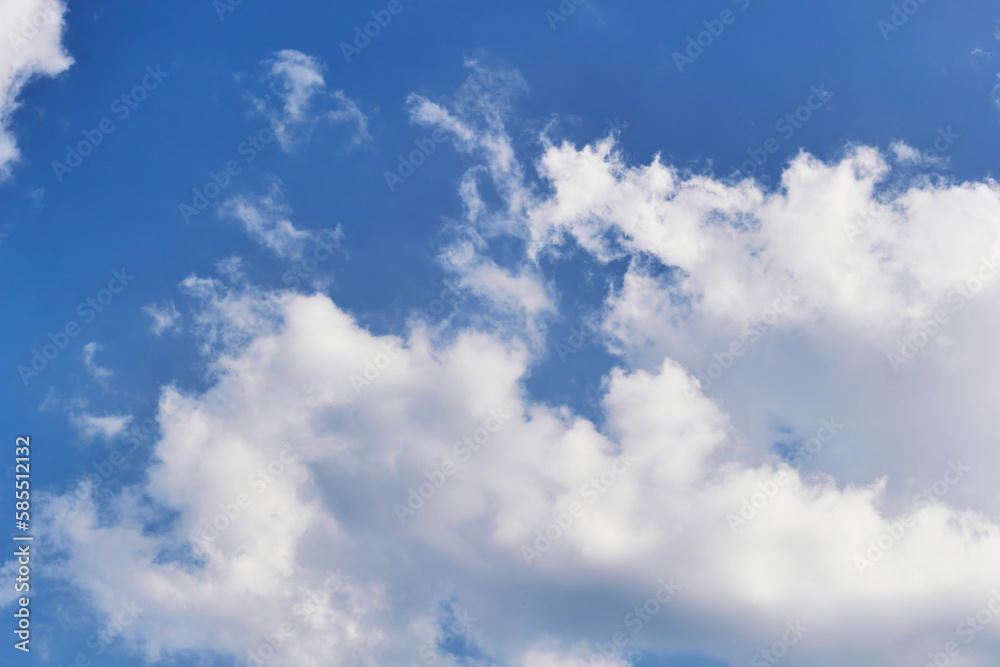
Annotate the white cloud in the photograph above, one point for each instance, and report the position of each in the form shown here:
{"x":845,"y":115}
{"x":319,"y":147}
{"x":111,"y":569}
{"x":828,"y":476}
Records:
{"x":52,"y":401}
{"x":346,"y":111}
{"x":232,"y":269}
{"x":296,"y":79}
{"x":904,"y":153}
{"x":266,"y":221}
{"x":165,"y":317}
{"x":232,"y":316}
{"x":907,"y":155}
{"x":96,"y":370}
{"x":375,"y":419}
{"x":541,"y":658}
{"x":474,"y":119}
{"x":295,"y":386}
{"x":8,"y":575}
{"x":90,"y":426}
{"x":519,"y":296}
{"x":31,"y":47}
{"x":873,"y":255}
{"x":300,"y":77}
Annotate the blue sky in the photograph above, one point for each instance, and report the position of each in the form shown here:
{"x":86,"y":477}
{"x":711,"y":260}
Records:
{"x":575,"y":247}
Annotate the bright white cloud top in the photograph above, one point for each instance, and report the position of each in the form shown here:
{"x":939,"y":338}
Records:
{"x":337,"y":489}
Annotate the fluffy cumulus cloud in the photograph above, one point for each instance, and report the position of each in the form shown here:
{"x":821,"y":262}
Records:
{"x":299,"y":101}
{"x":347,"y":498}
{"x":875,"y":255}
{"x":30,"y":46}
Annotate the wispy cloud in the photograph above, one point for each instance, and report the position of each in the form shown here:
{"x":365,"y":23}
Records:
{"x":165,"y":317}
{"x":266,"y":219}
{"x":97,"y":371}
{"x":90,"y":426}
{"x":300,"y":101}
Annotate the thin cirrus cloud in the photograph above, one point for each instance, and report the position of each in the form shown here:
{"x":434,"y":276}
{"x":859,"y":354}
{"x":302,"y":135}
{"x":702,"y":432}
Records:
{"x":498,"y":537}
{"x":96,"y":371}
{"x":165,"y":317}
{"x":266,"y":219}
{"x":299,"y":102}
